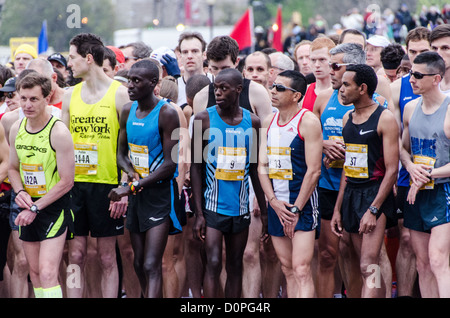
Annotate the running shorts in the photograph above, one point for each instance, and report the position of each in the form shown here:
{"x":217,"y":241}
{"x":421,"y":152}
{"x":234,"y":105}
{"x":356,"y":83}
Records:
{"x":430,"y":209}
{"x":91,"y":210}
{"x":51,"y":222}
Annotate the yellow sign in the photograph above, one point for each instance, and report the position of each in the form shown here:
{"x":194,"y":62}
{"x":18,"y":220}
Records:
{"x":14,"y":43}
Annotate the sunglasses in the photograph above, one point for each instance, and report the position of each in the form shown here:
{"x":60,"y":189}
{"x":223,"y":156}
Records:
{"x":10,"y":95}
{"x":419,"y":75}
{"x":282,"y":88}
{"x":337,"y":66}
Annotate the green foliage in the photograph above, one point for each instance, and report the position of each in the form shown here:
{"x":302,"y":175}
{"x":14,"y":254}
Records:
{"x":264,"y":11}
{"x":23,"y":18}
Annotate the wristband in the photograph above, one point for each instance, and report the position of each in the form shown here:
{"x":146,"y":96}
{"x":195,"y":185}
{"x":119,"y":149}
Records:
{"x":274,"y":197}
{"x":134,"y":186}
{"x":20,"y":191}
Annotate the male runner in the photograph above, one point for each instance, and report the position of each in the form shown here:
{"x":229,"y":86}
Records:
{"x":91,"y":110}
{"x":425,"y":156}
{"x":289,"y":170}
{"x":220,"y":181}
{"x":365,"y":197}
{"x":417,"y":41}
{"x":42,"y":174}
{"x":146,"y":151}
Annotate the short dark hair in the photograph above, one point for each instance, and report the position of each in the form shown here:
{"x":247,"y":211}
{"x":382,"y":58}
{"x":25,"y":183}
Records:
{"x":35,"y":79}
{"x":195,"y":84}
{"x":418,"y":34}
{"x":351,"y":31}
{"x":222,"y":46}
{"x":435,"y":63}
{"x":364,"y":74}
{"x":298,"y":81}
{"x":233,"y":74}
{"x":150,"y":66}
{"x":391,"y":56}
{"x":110,"y":56}
{"x":192,"y":35}
{"x":88,"y":43}
{"x":441,"y":31}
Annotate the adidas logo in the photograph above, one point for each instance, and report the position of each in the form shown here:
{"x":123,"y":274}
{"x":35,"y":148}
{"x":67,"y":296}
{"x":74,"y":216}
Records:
{"x":434,"y":219}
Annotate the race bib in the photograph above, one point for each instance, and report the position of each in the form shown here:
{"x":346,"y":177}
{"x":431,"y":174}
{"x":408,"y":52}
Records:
{"x":429,"y":162}
{"x":280,"y":165}
{"x":139,"y":159}
{"x":337,"y":163}
{"x":231,"y":164}
{"x":34,"y":179}
{"x":356,"y":161}
{"x":86,"y":159}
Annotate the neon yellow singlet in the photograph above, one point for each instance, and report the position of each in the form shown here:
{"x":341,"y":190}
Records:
{"x":37,"y":159}
{"x":95,"y":129}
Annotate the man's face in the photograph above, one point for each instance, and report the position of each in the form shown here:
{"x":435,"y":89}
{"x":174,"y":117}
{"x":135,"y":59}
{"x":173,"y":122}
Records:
{"x":32,"y":101}
{"x":421,"y":86}
{"x":442,"y":47}
{"x":108,"y":69}
{"x":192,"y":56}
{"x":336,"y":74}
{"x":12,"y":100}
{"x":130,"y":59}
{"x":216,"y":66}
{"x":392,"y":75}
{"x":373,"y":56}
{"x":303,"y":59}
{"x":286,"y":97}
{"x":20,"y":62}
{"x":61,"y":68}
{"x":354,"y":38}
{"x":226,"y":93}
{"x":141,"y":83}
{"x":256,"y":69}
{"x":319,"y":63}
{"x":349,"y":91}
{"x":417,"y":47}
{"x":77,"y":63}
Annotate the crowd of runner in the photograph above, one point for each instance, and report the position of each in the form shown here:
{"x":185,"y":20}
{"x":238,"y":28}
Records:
{"x":197,"y":171}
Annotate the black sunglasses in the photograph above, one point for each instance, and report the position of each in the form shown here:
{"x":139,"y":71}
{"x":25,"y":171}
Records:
{"x":337,"y":66}
{"x":419,"y":75}
{"x":282,"y":88}
{"x":10,"y":95}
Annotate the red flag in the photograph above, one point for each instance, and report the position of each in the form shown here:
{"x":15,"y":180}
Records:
{"x":277,"y":30}
{"x":187,"y":12}
{"x":243,"y":30}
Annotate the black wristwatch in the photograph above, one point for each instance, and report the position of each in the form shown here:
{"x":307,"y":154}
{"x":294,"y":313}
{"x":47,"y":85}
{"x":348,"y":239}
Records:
{"x":373,"y":210}
{"x":34,"y":209}
{"x":295,"y":209}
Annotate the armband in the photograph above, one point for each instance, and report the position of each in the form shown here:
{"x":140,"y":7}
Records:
{"x":134,"y":186}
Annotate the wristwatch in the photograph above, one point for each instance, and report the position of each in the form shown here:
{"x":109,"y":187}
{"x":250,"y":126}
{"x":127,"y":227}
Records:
{"x":34,"y":209}
{"x":295,"y":209}
{"x":373,"y":210}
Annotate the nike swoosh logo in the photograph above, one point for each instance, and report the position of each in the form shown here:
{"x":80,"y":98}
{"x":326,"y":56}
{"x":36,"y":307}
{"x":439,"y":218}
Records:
{"x":155,"y":219}
{"x":119,"y":227}
{"x":361,"y":132}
